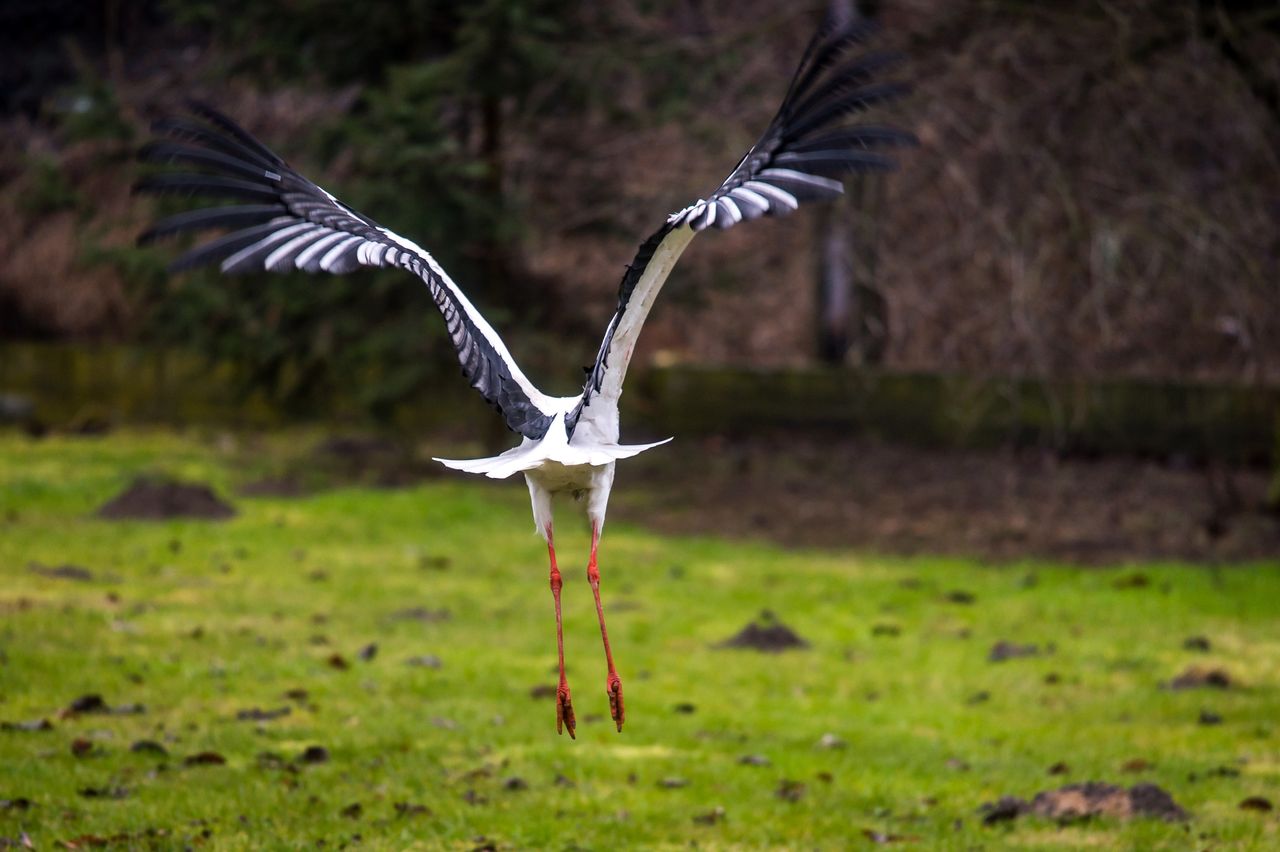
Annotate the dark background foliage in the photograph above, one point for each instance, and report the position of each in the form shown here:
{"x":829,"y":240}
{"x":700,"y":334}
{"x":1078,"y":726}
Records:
{"x":1097,"y":192}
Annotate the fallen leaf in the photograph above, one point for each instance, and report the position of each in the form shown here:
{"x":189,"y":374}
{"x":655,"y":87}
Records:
{"x":256,"y":714}
{"x":1005,"y":650}
{"x":148,"y":747}
{"x":790,"y":791}
{"x":407,"y":809}
{"x":710,"y":817}
{"x":104,"y":792}
{"x":418,"y":613}
{"x":32,"y":725}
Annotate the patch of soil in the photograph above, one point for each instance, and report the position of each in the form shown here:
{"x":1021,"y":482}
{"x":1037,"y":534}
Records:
{"x":1090,"y":799}
{"x":771,"y":636}
{"x":834,"y":491}
{"x":159,"y":499}
{"x":421,"y":613}
{"x":1199,"y":677}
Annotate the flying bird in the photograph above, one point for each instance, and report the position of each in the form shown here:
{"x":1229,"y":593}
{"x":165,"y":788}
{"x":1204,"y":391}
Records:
{"x":281,"y":221}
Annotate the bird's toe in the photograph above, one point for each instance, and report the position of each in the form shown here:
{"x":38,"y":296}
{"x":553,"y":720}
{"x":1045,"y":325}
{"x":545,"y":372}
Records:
{"x":616,"y":709}
{"x":564,"y":711}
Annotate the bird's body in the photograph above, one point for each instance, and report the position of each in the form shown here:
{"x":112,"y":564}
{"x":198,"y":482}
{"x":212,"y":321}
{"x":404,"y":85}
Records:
{"x":570,"y":445}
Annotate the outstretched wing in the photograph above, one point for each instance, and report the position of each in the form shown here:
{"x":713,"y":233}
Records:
{"x":287,"y":222}
{"x":801,"y":157}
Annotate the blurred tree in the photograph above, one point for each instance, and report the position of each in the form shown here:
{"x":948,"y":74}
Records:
{"x":427,"y":141}
{"x":852,"y":312}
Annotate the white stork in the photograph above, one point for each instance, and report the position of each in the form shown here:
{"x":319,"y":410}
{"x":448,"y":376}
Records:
{"x":569,"y":444}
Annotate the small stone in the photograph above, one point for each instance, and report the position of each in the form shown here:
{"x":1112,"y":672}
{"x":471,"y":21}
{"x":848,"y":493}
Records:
{"x":831,"y":741}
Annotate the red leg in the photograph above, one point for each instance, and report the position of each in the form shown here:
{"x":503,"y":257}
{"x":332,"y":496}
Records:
{"x":613,"y":686}
{"x":564,"y":704}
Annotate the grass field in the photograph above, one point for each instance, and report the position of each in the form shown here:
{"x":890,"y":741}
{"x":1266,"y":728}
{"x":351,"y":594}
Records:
{"x":185,"y":628}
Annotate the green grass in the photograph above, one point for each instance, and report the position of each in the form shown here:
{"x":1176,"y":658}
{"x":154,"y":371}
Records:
{"x":199,"y":620}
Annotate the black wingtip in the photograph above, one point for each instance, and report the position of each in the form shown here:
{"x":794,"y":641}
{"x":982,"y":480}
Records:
{"x":224,"y":123}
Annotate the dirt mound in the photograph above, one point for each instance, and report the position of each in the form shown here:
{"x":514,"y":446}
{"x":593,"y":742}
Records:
{"x":159,"y":499}
{"x":771,"y":636}
{"x":1198,"y":677}
{"x":1090,"y":799}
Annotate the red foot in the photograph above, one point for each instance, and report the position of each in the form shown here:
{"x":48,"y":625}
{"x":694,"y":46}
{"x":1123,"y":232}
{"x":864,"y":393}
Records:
{"x":614,"y":690}
{"x":564,"y":711}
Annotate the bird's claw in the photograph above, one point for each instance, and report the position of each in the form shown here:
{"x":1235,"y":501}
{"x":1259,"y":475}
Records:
{"x":614,"y":691}
{"x":564,"y":711}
